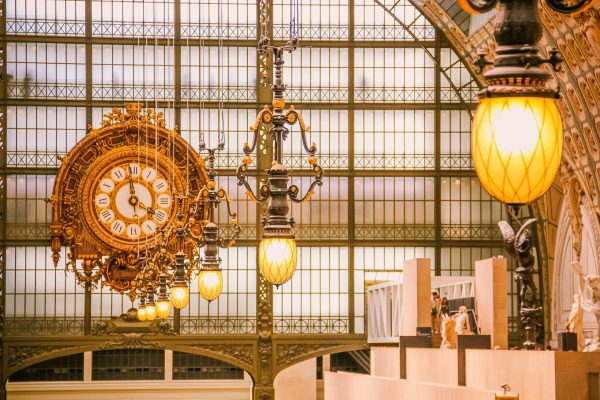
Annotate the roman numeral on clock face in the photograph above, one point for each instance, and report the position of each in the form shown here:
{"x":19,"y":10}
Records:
{"x":102,"y":200}
{"x":160,"y":185}
{"x":164,"y":201}
{"x":107,"y":216}
{"x":117,"y":226}
{"x":149,"y":174}
{"x":133,"y":230}
{"x":107,"y":185}
{"x":117,"y":174}
{"x":134,"y":169}
{"x":160,"y":216}
{"x":148,"y":227}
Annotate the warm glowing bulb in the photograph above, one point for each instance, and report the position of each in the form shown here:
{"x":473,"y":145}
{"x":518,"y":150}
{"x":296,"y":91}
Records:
{"x":210,"y":283}
{"x":180,"y":296}
{"x":277,"y":259}
{"x":150,"y":312}
{"x":163,"y":308}
{"x":516,"y":143}
{"x":141,"y":314}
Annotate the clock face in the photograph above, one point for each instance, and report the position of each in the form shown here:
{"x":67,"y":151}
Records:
{"x":132,"y":201}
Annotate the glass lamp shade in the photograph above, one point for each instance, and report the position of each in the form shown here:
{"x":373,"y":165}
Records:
{"x":277,"y":259}
{"x":516,"y":143}
{"x":141,"y":314}
{"x":180,"y":296}
{"x":210,"y":283}
{"x":150,"y":312}
{"x":163,"y":308}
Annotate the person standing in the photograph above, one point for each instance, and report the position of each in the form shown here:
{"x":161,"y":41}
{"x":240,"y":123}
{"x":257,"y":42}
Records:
{"x":435,"y":312}
{"x":444,"y":307}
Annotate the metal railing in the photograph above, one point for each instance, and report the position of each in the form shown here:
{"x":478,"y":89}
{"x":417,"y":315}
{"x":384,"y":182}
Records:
{"x":385,"y":308}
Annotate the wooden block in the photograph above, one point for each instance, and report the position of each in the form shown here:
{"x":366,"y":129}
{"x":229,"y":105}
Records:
{"x":416,"y":295}
{"x":469,"y":342}
{"x":491,"y":303}
{"x":411,"y":341}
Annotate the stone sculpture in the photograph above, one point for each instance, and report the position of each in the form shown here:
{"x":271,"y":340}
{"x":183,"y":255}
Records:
{"x":574,"y":323}
{"x":462,"y":327}
{"x":589,"y":289}
{"x":448,"y":332}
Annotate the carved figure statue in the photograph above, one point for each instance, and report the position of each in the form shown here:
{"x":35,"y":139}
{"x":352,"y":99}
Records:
{"x":589,"y":289}
{"x":462,"y":327}
{"x":520,"y":246}
{"x":575,"y":322}
{"x":448,"y":332}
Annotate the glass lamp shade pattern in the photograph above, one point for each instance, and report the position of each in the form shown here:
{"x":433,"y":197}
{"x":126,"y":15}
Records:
{"x":210,"y":284}
{"x":516,"y":144}
{"x":150,"y":312}
{"x":180,"y":296}
{"x":141,"y":314}
{"x":163,"y":309}
{"x":277,"y":259}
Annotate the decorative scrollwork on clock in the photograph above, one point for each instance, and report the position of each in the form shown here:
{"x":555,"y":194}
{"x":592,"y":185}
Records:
{"x":115,"y":193}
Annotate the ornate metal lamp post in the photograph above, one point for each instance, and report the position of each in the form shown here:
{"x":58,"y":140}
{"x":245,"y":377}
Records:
{"x":162,"y":269}
{"x":517,"y":132}
{"x":277,"y":252}
{"x":210,"y":278}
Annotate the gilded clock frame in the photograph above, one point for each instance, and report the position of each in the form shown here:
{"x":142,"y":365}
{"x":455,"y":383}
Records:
{"x":72,"y":224}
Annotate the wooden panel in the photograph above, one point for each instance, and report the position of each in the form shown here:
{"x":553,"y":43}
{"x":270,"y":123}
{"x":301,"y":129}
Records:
{"x":347,"y":386}
{"x":420,"y":361}
{"x":491,"y":300}
{"x":416,"y":295}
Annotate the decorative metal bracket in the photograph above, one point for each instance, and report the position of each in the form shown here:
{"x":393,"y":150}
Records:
{"x":211,"y":198}
{"x":276,"y":189}
{"x":517,"y":66}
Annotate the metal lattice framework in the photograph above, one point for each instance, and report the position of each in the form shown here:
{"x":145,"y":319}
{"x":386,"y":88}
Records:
{"x":399,"y":182}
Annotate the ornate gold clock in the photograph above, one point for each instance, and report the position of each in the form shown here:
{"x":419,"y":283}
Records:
{"x":114,"y":194}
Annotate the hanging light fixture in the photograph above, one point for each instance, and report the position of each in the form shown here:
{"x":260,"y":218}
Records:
{"x":210,"y":277}
{"x":277,"y":251}
{"x":163,"y":305}
{"x":517,"y":133}
{"x":150,"y":306}
{"x":141,"y":310}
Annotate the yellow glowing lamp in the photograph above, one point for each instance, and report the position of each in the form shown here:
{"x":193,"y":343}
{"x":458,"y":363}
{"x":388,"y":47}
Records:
{"x":516,"y":143}
{"x":277,"y":259}
{"x":141,"y":314}
{"x":210,"y":283}
{"x":150,"y":312}
{"x":180,"y":296}
{"x":163,"y":308}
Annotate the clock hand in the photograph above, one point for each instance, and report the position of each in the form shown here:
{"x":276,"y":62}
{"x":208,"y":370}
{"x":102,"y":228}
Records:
{"x":131,"y":187}
{"x":149,"y":210}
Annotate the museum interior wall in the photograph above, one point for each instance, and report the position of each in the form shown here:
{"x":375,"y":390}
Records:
{"x":569,"y":212}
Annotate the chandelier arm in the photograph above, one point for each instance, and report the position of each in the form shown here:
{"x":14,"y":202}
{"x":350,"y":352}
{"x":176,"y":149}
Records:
{"x":294,"y":116}
{"x":294,"y":190}
{"x":225,"y":243}
{"x":263,"y":117}
{"x":313,"y":147}
{"x":224,"y":195}
{"x":249,"y":192}
{"x":568,"y":8}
